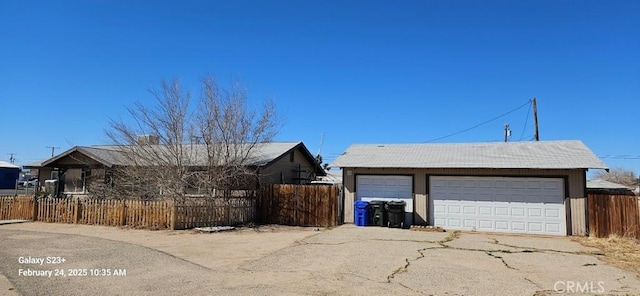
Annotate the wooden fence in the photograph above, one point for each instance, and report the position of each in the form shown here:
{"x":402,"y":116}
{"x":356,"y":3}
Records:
{"x":201,"y":212}
{"x":301,"y":205}
{"x":614,"y":214}
{"x":161,"y":214}
{"x":19,"y":207}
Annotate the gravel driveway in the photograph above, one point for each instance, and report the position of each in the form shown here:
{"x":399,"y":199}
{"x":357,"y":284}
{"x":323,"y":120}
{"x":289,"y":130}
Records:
{"x":277,"y":260}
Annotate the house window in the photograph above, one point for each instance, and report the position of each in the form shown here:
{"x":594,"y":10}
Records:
{"x":291,"y":155}
{"x":75,"y":180}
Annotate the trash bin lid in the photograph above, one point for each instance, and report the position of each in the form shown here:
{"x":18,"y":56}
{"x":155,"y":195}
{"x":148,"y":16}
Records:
{"x":377,"y":202}
{"x":361,"y":204}
{"x":397,"y":203}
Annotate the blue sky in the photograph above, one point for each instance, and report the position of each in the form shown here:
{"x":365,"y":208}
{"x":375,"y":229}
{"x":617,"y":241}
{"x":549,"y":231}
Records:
{"x":355,"y":71}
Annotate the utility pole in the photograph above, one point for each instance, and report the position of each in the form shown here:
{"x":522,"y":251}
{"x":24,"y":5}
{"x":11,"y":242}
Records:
{"x":12,"y":159}
{"x":507,"y":132}
{"x":53,"y":150}
{"x":535,"y":118}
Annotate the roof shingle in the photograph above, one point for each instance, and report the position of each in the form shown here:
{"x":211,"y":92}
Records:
{"x":512,"y":155}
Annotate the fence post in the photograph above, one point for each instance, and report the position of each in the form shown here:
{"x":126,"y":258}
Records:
{"x":295,"y":209}
{"x":35,"y":208}
{"x":172,"y":208}
{"x":76,"y":210}
{"x":123,"y":219}
{"x":228,"y":202}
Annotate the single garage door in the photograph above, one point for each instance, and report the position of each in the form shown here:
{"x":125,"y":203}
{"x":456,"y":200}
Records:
{"x":515,"y":205}
{"x":387,"y":188}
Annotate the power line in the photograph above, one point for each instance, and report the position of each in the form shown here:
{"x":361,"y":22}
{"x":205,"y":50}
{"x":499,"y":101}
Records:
{"x":620,"y":157}
{"x":526,"y":120}
{"x":480,"y":124}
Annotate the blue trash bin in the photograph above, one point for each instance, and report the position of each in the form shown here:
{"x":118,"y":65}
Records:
{"x":361,"y":213}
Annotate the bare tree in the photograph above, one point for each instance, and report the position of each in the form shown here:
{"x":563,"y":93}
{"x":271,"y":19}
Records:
{"x":209,"y":149}
{"x":232,"y":134}
{"x":618,"y":175}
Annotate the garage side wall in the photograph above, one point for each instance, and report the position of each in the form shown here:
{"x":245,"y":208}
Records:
{"x":574,"y":188}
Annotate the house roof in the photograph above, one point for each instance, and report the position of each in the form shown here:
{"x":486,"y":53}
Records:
{"x":4,"y":164}
{"x":602,"y":184}
{"x":525,"y":155}
{"x":195,"y":154}
{"x":34,"y":165}
{"x":333,"y":176}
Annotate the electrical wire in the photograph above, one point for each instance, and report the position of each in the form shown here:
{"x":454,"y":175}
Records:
{"x":620,"y":157}
{"x":480,"y":124}
{"x":526,"y":120}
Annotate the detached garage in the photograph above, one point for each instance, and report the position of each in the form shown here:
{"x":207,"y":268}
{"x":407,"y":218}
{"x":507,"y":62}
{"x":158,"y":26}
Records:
{"x":515,"y":187}
{"x":9,"y":174}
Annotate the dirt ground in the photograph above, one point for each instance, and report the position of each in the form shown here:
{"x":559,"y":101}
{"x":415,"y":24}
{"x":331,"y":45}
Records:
{"x":347,"y":260}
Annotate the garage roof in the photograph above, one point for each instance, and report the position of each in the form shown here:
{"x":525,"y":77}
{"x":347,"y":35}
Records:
{"x":512,"y":155}
{"x":4,"y":164}
{"x":603,"y":184}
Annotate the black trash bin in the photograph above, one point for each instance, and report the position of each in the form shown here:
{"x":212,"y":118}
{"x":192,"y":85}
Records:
{"x":395,"y":213}
{"x":378,"y":213}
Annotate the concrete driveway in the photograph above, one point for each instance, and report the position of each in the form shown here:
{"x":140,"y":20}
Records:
{"x":276,"y":260}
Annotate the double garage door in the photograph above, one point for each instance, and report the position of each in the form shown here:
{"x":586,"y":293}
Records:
{"x":496,"y":204}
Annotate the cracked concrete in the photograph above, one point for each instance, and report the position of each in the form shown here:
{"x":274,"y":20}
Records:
{"x":543,"y":262}
{"x":394,"y":261}
{"x":351,"y":260}
{"x":501,"y":259}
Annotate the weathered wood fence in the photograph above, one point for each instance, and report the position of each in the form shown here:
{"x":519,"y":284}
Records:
{"x":19,"y":207}
{"x":198,"y":212}
{"x":301,"y":205}
{"x":161,"y":214}
{"x":613,"y":215}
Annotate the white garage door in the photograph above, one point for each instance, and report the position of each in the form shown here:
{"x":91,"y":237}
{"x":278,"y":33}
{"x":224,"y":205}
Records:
{"x":387,"y":188}
{"x":517,"y":205}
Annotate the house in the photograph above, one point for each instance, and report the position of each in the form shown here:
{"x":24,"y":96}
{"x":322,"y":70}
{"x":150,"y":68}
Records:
{"x":9,"y":174}
{"x":81,"y":167}
{"x":331,"y":177}
{"x":515,"y":187}
{"x":598,"y":186}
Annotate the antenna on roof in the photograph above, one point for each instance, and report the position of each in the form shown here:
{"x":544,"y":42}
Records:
{"x":507,"y":132}
{"x":321,"y":143}
{"x":53,"y":150}
{"x":12,"y":159}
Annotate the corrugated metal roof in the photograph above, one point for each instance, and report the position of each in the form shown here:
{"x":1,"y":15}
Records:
{"x":516,"y":155}
{"x":602,"y":184}
{"x":4,"y":164}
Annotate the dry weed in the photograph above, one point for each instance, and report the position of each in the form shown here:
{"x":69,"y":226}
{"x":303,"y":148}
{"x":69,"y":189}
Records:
{"x":620,"y":251}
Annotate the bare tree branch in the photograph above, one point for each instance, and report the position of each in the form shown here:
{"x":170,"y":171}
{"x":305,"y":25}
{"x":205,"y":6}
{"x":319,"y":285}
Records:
{"x":211,"y":149}
{"x":618,"y":175}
